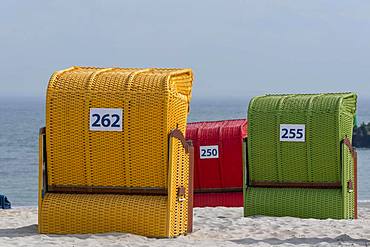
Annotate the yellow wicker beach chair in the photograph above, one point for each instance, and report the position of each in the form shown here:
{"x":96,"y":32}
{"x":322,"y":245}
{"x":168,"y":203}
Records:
{"x":113,"y":157}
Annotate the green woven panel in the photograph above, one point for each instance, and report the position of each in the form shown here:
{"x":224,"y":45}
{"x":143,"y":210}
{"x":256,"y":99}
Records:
{"x":304,"y":203}
{"x":327,"y":118}
{"x":348,"y":174}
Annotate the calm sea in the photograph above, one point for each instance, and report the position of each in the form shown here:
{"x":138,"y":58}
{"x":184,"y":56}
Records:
{"x":20,"y":121}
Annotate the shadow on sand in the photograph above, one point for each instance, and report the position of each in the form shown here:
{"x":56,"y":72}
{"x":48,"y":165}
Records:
{"x":31,"y":230}
{"x":341,"y":239}
{"x":19,"y":232}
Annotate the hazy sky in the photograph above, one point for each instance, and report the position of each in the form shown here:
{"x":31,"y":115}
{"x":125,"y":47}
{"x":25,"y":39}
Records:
{"x":235,"y":48}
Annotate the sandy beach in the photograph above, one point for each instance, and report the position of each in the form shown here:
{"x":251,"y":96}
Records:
{"x":212,"y":227}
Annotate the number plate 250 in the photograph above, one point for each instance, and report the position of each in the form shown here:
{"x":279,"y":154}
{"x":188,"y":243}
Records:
{"x":292,"y":133}
{"x":106,"y":119}
{"x":208,"y":152}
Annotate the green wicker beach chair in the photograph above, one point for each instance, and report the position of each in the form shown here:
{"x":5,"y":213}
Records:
{"x":300,"y":161}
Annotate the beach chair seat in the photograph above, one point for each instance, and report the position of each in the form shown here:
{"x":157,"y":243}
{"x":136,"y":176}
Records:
{"x":113,"y":157}
{"x":300,"y":153}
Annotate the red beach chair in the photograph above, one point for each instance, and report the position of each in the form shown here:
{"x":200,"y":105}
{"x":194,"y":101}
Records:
{"x":218,"y":163}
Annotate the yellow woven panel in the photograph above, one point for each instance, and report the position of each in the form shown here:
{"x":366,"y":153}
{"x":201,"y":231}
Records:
{"x":135,"y":157}
{"x":79,"y":213}
{"x":179,"y":174}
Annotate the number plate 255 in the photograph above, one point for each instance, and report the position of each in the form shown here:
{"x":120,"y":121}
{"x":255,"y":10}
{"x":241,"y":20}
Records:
{"x":106,"y":119}
{"x":292,"y":133}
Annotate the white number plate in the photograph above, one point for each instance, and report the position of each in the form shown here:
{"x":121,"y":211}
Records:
{"x":292,"y":133}
{"x":106,"y":119}
{"x":209,"y":152}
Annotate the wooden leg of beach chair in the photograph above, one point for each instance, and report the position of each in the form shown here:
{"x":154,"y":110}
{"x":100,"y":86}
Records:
{"x":245,"y":172}
{"x":355,"y":179}
{"x":42,"y":171}
{"x":191,"y":186}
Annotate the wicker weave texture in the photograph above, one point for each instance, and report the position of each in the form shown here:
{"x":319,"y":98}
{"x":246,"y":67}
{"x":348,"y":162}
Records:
{"x":224,"y":173}
{"x":179,"y":170}
{"x":154,"y":102}
{"x":321,"y":160}
{"x":227,"y":199}
{"x":294,"y":202}
{"x":84,"y":213}
{"x":315,"y":160}
{"x":75,"y":154}
{"x":348,"y":173}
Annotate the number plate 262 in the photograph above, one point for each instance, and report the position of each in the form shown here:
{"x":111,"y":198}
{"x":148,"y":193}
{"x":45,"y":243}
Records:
{"x":106,"y":119}
{"x":292,"y":133}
